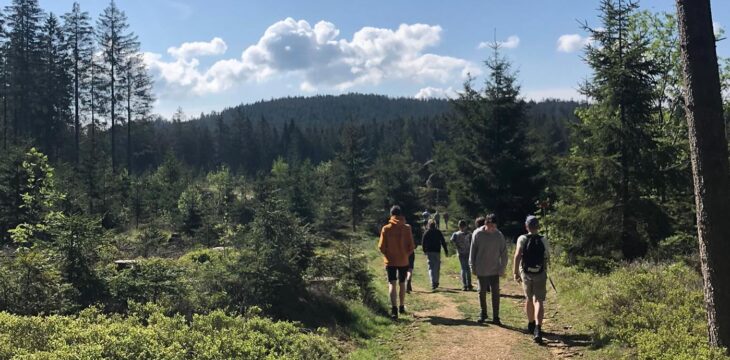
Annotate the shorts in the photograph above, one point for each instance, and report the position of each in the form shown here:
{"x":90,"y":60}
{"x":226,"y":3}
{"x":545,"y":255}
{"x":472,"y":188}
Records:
{"x":396,"y":273}
{"x":411,"y":261}
{"x":534,"y":285}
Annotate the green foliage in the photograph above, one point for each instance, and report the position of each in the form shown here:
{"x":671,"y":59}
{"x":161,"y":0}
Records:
{"x":155,"y":280}
{"x":609,"y":203}
{"x":656,"y":311}
{"x":150,"y":334}
{"x":33,"y":283}
{"x":394,"y":181}
{"x":487,"y":159}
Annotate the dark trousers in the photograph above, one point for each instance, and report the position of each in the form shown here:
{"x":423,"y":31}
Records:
{"x":492,"y":283}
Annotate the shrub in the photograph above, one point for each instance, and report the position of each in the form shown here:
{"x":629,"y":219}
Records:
{"x":150,"y":334}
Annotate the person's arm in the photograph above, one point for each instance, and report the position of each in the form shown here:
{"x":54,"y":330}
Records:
{"x":382,"y":244}
{"x":516,"y":261}
{"x":410,"y":244}
{"x":443,"y":243}
{"x":503,"y":255}
{"x":473,"y":249}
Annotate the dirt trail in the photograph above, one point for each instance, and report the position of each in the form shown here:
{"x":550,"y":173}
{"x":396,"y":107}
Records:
{"x":444,"y":324}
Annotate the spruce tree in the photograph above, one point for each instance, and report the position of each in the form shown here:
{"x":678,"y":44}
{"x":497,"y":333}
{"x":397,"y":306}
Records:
{"x":351,"y":166}
{"x":116,"y":43}
{"x":79,"y":42}
{"x":607,"y":208}
{"x":55,"y":86}
{"x":24,"y":19}
{"x":137,"y":94}
{"x":487,"y":158}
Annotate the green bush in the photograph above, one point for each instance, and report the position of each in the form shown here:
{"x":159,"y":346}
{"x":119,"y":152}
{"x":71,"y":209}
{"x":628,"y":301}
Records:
{"x":160,"y":281}
{"x":150,"y":334}
{"x":655,"y":310}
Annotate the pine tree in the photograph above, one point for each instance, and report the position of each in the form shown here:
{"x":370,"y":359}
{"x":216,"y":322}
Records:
{"x":487,"y":159}
{"x":607,"y":209}
{"x":24,"y":19}
{"x":79,"y":42}
{"x":55,"y":87}
{"x":137,"y":92}
{"x":116,"y":43}
{"x":351,"y":165}
{"x":709,"y":161}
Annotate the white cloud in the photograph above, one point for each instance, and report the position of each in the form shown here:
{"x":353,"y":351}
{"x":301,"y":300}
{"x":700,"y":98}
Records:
{"x":511,"y":43}
{"x":318,"y":56}
{"x":553,"y":93}
{"x":572,"y":42}
{"x":430,"y":92}
{"x":187,"y":50}
{"x":717,"y":28}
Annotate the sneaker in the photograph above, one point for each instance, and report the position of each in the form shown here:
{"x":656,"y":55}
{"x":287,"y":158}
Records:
{"x":531,"y":327}
{"x":538,"y":334}
{"x":465,"y":288}
{"x":394,"y":313}
{"x":470,"y":288}
{"x":496,"y":321}
{"x":402,"y":309}
{"x":483,"y":318}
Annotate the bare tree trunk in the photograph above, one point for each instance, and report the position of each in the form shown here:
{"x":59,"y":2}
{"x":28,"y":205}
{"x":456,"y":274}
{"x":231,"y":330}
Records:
{"x":708,"y":147}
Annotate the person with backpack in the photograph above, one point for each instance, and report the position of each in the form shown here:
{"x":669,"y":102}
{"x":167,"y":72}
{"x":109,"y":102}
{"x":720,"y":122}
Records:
{"x":488,"y":261}
{"x":530,"y":268}
{"x":446,"y":220}
{"x":431,"y":243}
{"x":462,"y":242}
{"x":437,"y":219}
{"x":426,"y":217}
{"x":396,"y":244}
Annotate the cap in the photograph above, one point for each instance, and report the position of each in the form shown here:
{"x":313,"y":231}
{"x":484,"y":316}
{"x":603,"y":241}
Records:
{"x":532,"y":221}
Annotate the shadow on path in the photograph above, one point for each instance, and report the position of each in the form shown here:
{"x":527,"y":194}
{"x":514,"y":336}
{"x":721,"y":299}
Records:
{"x":438,"y":320}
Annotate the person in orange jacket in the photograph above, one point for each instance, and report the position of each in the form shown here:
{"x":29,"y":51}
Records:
{"x":396,"y":244}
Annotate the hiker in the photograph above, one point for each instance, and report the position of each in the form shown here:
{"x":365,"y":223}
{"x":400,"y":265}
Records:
{"x":530,"y":268}
{"x":426,"y":217}
{"x":446,"y":220}
{"x":396,"y":245}
{"x":478,"y":223}
{"x":488,"y":260}
{"x":432,"y":242}
{"x":462,"y":243}
{"x":437,"y":219}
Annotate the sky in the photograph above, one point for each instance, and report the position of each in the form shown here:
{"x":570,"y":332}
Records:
{"x":206,"y":55}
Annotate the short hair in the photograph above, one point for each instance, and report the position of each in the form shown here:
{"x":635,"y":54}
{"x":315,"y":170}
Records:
{"x":396,"y":211}
{"x":479,"y":222}
{"x":490,"y":219}
{"x":462,"y":223}
{"x":431,"y":224}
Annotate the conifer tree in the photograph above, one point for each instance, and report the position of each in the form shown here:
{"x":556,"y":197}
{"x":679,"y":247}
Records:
{"x":351,"y":165}
{"x":487,"y":160}
{"x":24,"y":18}
{"x":79,"y":42}
{"x":55,"y":86}
{"x":607,"y":208}
{"x":116,"y":44}
{"x":137,"y":94}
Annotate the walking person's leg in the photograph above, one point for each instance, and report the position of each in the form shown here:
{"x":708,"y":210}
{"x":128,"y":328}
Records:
{"x":465,"y":273}
{"x":430,"y":257}
{"x":527,"y":287}
{"x":437,"y":270}
{"x":494,"y":286}
{"x":483,"y":281}
{"x":411,"y":265}
{"x":402,"y":274}
{"x":392,"y":278}
{"x":539,"y":284}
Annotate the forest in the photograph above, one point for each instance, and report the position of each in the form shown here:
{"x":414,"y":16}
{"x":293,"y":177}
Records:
{"x":250,"y":232}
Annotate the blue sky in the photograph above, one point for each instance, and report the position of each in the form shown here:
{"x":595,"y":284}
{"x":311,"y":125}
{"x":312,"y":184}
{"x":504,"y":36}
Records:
{"x":207,"y":55}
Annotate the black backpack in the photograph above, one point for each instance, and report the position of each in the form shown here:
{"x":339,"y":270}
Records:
{"x":533,"y":255}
